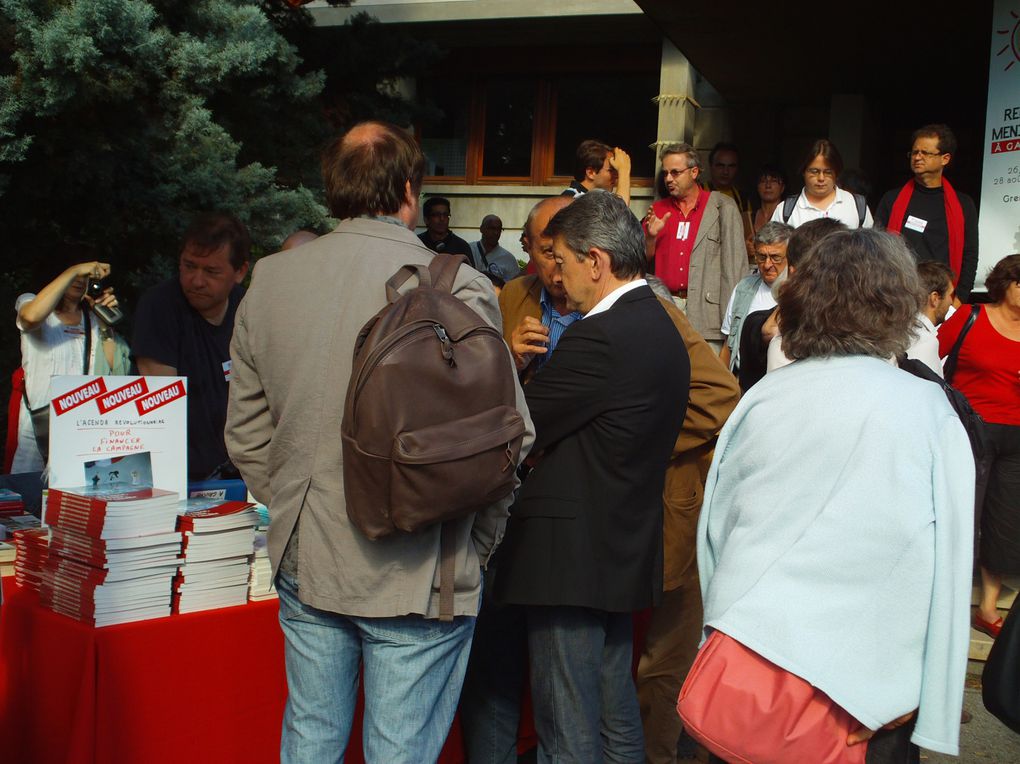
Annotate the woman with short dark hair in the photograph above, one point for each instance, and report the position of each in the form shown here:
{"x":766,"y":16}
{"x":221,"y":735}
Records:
{"x":835,"y":537}
{"x":988,"y":373}
{"x":771,"y":188}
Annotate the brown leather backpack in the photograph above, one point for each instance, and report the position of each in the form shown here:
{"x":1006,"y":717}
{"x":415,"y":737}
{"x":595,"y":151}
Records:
{"x":430,"y":430}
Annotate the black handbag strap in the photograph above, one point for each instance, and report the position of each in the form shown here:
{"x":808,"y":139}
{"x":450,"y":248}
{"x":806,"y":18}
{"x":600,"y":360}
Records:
{"x":949,"y":369}
{"x":87,"y":317}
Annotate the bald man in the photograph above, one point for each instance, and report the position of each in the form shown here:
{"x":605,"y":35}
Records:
{"x":299,"y":237}
{"x":535,"y":314}
{"x":490,"y":258}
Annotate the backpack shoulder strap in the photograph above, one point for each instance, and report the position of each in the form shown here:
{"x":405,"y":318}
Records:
{"x":443,"y":269}
{"x":862,"y":209}
{"x":949,"y":369}
{"x":399,"y":278}
{"x":788,"y":204}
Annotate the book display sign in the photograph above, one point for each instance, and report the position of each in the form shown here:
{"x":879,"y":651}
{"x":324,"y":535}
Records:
{"x":119,"y":432}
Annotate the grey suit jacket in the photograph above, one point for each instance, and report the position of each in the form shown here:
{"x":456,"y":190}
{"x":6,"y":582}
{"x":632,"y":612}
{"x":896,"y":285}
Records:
{"x":291,"y":361}
{"x":718,"y":263}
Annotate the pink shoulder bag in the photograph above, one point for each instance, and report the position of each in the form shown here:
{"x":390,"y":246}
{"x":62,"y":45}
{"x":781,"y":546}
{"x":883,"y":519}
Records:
{"x":748,"y":710}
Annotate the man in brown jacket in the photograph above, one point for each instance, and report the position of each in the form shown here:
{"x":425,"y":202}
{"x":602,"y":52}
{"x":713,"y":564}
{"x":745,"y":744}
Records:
{"x":675,"y":628}
{"x":534,"y":307}
{"x":535,"y":315}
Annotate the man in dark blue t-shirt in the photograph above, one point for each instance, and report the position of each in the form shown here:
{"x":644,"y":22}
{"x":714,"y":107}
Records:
{"x":183,"y":328}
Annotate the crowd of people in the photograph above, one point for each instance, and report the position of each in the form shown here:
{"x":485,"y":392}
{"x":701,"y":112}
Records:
{"x":716,"y":430}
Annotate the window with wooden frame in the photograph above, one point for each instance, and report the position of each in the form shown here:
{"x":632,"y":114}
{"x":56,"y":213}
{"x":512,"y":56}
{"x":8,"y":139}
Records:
{"x":520,"y":123}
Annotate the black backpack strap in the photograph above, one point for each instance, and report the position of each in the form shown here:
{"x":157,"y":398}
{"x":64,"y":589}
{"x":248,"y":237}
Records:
{"x":444,"y":270}
{"x":788,"y":204}
{"x":862,"y":209}
{"x":949,"y":368}
{"x":87,"y":318}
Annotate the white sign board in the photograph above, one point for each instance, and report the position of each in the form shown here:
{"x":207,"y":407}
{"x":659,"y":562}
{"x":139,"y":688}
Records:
{"x":999,"y":226}
{"x":94,"y":419}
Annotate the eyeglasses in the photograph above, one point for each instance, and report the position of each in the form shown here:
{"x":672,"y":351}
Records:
{"x":439,"y":214}
{"x":814,"y":172}
{"x":922,"y":153}
{"x":776,"y":259}
{"x":676,"y":173}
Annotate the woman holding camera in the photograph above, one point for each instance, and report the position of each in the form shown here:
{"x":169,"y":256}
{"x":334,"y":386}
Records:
{"x":62,"y":334}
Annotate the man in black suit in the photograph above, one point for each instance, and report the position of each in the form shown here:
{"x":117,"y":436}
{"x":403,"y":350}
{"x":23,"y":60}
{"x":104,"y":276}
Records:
{"x":584,"y":547}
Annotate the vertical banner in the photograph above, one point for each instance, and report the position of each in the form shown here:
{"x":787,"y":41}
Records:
{"x":1000,"y":186}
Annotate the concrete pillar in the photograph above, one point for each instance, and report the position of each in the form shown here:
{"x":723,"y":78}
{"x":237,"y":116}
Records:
{"x":847,"y":115}
{"x":677,"y":104}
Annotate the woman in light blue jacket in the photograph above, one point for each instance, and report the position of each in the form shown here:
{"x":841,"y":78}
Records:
{"x":835,"y":536}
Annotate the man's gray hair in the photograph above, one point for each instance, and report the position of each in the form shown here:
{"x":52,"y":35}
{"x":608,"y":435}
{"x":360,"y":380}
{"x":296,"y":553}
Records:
{"x":693,"y":160}
{"x":773,"y":232}
{"x":602,"y":219}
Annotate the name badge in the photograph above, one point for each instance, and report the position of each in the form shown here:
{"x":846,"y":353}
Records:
{"x":915,"y":224}
{"x":683,"y":230}
{"x":226,"y":371}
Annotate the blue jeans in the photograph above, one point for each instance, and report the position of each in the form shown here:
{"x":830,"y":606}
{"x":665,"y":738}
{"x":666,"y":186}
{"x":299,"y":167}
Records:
{"x":491,"y":701}
{"x":413,"y":671}
{"x":586,"y":707}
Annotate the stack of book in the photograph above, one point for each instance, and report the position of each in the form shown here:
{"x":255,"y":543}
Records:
{"x":8,"y":553}
{"x":112,"y":554}
{"x":32,"y":547}
{"x":261,"y":586}
{"x":11,"y":504}
{"x":218,"y":538}
{"x":11,"y":525}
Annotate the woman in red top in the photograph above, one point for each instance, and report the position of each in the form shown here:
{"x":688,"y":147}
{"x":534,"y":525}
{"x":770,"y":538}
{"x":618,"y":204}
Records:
{"x":988,"y":373}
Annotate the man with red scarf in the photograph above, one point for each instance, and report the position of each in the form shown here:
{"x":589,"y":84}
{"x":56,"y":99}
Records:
{"x":937,"y":222}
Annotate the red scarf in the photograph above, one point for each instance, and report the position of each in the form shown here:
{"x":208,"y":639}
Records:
{"x":954,"y":220}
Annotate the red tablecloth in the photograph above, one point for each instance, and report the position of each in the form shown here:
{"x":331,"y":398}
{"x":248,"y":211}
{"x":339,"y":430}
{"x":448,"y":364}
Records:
{"x":204,"y":687}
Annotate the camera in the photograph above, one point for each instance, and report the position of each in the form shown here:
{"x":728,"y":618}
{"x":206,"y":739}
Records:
{"x":109,"y":316}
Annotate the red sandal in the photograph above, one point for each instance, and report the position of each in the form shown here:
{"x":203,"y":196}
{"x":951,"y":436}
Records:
{"x":989,"y":628}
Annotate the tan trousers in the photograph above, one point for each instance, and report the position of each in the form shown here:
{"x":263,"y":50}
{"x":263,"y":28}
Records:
{"x":670,"y":646}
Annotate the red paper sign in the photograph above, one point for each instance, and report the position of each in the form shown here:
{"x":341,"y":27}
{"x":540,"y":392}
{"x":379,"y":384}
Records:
{"x":78,"y":396}
{"x":160,"y":397}
{"x":120,"y":396}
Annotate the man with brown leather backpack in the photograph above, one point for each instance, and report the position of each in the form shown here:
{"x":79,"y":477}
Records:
{"x":350,"y":594}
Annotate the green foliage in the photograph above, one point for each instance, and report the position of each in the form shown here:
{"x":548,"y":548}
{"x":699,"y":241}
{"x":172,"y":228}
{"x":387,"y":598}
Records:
{"x":122,"y":119}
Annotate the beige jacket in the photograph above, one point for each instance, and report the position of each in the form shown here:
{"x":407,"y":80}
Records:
{"x":718,"y":263}
{"x":291,"y":360}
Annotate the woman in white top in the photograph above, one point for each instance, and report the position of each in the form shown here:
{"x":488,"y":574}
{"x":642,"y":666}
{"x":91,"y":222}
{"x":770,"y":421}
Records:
{"x":53,"y":326}
{"x":822,"y":197}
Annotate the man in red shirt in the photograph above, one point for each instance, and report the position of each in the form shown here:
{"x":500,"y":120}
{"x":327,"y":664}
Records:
{"x":695,"y":239}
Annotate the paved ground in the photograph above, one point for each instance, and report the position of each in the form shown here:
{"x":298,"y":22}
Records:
{"x":983,"y":740}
